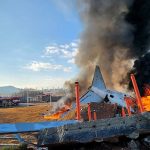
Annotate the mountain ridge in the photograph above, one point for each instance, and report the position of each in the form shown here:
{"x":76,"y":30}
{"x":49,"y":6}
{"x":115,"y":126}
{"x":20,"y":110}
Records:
{"x":8,"y":90}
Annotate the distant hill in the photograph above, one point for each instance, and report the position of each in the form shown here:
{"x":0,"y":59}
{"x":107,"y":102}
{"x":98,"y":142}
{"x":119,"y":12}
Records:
{"x":8,"y":90}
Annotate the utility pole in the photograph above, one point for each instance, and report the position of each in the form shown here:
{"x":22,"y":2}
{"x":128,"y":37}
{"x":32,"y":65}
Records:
{"x":27,"y":98}
{"x":50,"y":99}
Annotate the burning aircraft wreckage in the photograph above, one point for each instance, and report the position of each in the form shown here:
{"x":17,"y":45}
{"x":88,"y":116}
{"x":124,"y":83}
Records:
{"x":104,"y":114}
{"x":100,"y":115}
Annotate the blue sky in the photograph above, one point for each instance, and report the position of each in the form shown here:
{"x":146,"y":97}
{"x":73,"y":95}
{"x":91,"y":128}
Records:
{"x":38,"y":42}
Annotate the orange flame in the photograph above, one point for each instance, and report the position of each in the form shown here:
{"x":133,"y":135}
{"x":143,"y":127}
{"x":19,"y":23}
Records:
{"x":58,"y":114}
{"x":146,"y":98}
{"x":146,"y":103}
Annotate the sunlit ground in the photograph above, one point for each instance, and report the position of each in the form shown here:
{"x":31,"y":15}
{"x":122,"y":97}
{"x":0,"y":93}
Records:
{"x":24,"y":114}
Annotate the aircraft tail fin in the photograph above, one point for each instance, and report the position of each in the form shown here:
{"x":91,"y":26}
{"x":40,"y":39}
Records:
{"x":98,"y":81}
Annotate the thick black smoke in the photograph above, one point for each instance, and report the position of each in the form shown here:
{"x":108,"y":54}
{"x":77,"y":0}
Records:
{"x":139,"y":18}
{"x":141,"y":70}
{"x":116,"y":32}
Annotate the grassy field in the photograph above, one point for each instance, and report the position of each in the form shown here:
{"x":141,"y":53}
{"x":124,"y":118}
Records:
{"x":24,"y":114}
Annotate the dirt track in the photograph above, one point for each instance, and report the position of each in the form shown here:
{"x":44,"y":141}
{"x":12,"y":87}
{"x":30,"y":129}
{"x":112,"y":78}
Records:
{"x":23,"y":114}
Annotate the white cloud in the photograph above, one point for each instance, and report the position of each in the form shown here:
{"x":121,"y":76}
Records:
{"x":51,"y":50}
{"x":74,"y":44}
{"x":67,"y":51}
{"x":71,"y":61}
{"x":65,"y":46}
{"x":39,"y":66}
{"x":75,"y":51}
{"x":67,"y":69}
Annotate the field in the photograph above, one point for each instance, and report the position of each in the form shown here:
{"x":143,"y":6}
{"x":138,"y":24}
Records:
{"x":24,"y":114}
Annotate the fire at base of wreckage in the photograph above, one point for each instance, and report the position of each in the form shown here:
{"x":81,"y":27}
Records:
{"x":57,"y":115}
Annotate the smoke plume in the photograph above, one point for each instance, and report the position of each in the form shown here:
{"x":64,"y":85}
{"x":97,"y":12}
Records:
{"x":141,"y":70}
{"x":116,"y":32}
{"x":66,"y":100}
{"x":139,"y":18}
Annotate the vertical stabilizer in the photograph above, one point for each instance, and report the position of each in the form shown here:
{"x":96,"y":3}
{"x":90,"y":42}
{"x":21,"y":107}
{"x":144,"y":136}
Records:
{"x":98,"y":81}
